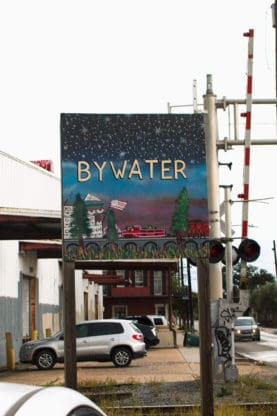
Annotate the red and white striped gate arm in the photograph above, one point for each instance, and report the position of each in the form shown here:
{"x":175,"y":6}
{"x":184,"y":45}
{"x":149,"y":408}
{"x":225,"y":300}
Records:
{"x":247,"y":138}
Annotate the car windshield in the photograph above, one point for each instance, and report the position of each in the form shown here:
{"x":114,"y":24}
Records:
{"x":57,"y":334}
{"x":244,"y":322}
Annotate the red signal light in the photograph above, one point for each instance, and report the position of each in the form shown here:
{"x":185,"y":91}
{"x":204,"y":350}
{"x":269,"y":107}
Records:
{"x":215,"y":251}
{"x":249,"y":250}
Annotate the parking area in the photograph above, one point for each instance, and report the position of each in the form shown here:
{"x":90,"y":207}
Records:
{"x":160,"y":364}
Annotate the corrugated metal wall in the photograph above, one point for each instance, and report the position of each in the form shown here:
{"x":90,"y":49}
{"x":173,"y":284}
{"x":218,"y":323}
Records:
{"x":25,"y":185}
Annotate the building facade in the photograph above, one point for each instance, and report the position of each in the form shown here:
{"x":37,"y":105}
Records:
{"x":31,"y":284}
{"x":143,"y":292}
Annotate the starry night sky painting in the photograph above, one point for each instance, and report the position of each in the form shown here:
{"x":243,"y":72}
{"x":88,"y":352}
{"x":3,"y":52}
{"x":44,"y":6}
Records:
{"x":136,"y":174}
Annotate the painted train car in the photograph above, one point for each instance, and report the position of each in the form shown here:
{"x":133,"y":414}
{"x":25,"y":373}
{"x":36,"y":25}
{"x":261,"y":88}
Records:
{"x":196,"y":229}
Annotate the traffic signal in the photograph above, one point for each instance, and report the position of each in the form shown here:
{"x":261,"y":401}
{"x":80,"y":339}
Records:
{"x":216,"y":251}
{"x":249,"y":250}
{"x":235,"y":256}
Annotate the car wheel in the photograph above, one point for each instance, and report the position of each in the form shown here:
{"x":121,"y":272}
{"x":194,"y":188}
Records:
{"x":45,"y":360}
{"x":121,"y":357}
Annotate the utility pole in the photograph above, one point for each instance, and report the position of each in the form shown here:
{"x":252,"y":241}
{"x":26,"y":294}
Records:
{"x":191,"y":321}
{"x":274,"y":25}
{"x":70,"y":362}
{"x":212,"y":180}
{"x":205,"y":332}
{"x":228,"y":244}
{"x":230,"y":371}
{"x":275,"y":258}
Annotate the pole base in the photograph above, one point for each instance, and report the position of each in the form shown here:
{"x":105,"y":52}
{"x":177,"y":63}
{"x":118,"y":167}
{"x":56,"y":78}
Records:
{"x":231,"y":373}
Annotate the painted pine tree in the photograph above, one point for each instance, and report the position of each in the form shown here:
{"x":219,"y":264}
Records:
{"x":180,"y":217}
{"x":111,"y":229}
{"x":80,"y":221}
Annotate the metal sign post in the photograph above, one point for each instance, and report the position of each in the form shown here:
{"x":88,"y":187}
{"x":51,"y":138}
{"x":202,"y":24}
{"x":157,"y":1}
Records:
{"x":70,"y":368}
{"x":205,"y":331}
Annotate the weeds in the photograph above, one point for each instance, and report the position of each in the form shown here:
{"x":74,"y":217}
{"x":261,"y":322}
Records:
{"x":109,"y":395}
{"x":256,"y":382}
{"x":224,"y":391}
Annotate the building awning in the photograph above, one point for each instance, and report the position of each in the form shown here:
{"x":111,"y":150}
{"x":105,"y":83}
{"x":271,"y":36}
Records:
{"x":28,"y":224}
{"x":105,"y":279}
{"x":44,"y":250}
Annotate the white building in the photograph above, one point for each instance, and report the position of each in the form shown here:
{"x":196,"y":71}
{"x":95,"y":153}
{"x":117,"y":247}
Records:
{"x":95,"y":216}
{"x":31,"y":284}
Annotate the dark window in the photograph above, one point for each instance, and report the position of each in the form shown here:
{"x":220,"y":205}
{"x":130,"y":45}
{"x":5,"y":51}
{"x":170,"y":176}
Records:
{"x":82,"y":330}
{"x":158,"y":321}
{"x":139,"y":278}
{"x":105,"y":328}
{"x":144,"y":320}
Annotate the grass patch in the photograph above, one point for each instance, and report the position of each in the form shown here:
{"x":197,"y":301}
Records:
{"x":113,"y":397}
{"x":224,"y":391}
{"x":256,"y":382}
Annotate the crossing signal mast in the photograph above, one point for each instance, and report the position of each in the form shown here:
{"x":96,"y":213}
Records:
{"x":247,"y":145}
{"x":209,"y":281}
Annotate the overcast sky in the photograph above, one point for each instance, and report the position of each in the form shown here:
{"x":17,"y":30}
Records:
{"x":124,"y":56}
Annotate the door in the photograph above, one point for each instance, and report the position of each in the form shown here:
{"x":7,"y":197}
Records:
{"x":94,"y":340}
{"x":85,"y":306}
{"x":28,"y":305}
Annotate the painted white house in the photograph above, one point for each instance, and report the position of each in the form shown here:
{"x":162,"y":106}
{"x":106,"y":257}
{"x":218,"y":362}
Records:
{"x":31,"y":288}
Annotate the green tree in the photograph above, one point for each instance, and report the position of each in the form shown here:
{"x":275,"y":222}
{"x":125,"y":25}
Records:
{"x":263,"y":300}
{"x":180,"y":217}
{"x":180,"y":302}
{"x":255,"y":277}
{"x":80,"y":222}
{"x":260,"y":278}
{"x":112,"y":234}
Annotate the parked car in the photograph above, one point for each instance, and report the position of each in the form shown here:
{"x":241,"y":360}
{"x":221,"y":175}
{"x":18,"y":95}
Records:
{"x":115,"y":340}
{"x":152,"y":320}
{"x":246,"y":328}
{"x":149,"y":334}
{"x":26,"y":400}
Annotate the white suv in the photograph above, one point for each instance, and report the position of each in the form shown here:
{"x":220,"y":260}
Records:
{"x":115,"y":340}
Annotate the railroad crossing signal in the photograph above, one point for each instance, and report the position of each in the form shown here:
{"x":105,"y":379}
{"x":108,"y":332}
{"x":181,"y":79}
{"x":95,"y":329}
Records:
{"x":248,"y":250}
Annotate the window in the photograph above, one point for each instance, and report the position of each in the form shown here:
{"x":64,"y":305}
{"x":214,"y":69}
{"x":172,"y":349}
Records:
{"x":139,"y":278}
{"x":158,"y":283}
{"x":85,"y":306}
{"x":82,"y":330}
{"x":158,"y":321}
{"x":105,"y":328}
{"x":121,"y":273}
{"x":160,"y":309}
{"x":106,"y":290}
{"x":119,"y":311}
